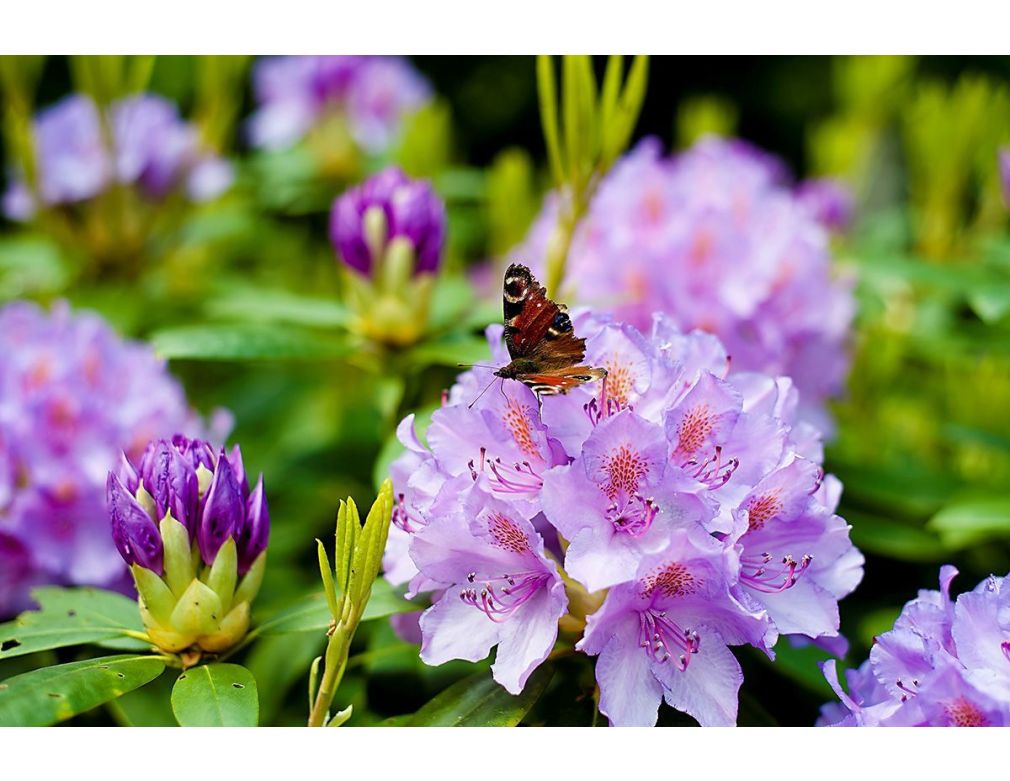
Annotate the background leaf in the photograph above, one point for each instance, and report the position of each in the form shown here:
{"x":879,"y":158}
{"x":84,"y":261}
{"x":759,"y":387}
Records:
{"x":311,"y":613}
{"x":52,"y":694}
{"x":477,"y":701}
{"x":72,"y":616}
{"x":248,"y":342}
{"x":968,"y":522}
{"x":216,"y":695}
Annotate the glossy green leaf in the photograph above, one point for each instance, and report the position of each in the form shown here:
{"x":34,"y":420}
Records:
{"x":52,"y":694}
{"x":248,"y":342}
{"x":271,"y":305}
{"x":312,"y":614}
{"x":477,"y":701}
{"x":72,"y":616}
{"x":216,"y":695}
{"x":967,"y":522}
{"x":148,"y":706}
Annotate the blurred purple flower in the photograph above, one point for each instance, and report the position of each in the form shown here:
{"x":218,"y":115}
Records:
{"x":296,"y":93}
{"x":945,"y":663}
{"x":672,"y":461}
{"x":1004,"y":174}
{"x":365,"y":220}
{"x":829,"y":201}
{"x":715,"y":240}
{"x":73,"y":396}
{"x":151,"y":148}
{"x":205,"y":490}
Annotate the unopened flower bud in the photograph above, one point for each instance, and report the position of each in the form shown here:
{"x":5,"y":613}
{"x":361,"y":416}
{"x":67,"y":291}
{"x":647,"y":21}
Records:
{"x":195,"y":537}
{"x":367,"y":219}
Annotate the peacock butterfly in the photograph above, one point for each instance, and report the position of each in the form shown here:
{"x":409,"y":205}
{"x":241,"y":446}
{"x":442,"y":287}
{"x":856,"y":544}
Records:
{"x":546,"y":354}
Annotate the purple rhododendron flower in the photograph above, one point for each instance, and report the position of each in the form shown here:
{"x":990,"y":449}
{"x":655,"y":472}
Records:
{"x":946,"y":662}
{"x":296,"y":93}
{"x":714,"y":239}
{"x":73,"y":397}
{"x":692,"y":494}
{"x":151,"y":148}
{"x":501,"y":588}
{"x":663,"y":635}
{"x":365,"y":220}
{"x":206,"y":490}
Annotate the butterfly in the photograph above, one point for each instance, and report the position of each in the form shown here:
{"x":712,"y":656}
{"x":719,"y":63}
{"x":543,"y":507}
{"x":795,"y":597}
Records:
{"x":546,"y":354}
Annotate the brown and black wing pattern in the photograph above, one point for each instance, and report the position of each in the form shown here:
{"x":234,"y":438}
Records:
{"x":540,"y":337}
{"x":535,"y":327}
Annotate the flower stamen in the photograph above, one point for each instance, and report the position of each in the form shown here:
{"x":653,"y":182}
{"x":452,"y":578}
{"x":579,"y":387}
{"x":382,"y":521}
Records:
{"x":662,"y":638}
{"x":500,"y":597}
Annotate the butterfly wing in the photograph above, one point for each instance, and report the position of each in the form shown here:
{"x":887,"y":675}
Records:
{"x":562,"y":380}
{"x":536,"y":328}
{"x":546,"y":354}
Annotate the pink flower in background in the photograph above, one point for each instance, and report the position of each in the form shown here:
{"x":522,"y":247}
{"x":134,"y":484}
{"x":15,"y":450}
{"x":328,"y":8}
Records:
{"x":714,"y":239}
{"x":73,"y":397}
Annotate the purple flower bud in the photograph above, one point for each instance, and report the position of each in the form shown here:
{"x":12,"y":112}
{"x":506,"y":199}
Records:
{"x":252,"y":537}
{"x":1004,"y":174}
{"x":134,"y":532}
{"x":235,"y":458}
{"x":207,"y":493}
{"x":172,"y":483}
{"x":223,"y":511}
{"x":402,"y":207}
{"x":195,"y":451}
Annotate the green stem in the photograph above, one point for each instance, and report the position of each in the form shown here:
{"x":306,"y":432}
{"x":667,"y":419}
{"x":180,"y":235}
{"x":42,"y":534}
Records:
{"x":334,"y":663}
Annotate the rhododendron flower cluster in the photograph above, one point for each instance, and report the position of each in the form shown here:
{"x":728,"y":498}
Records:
{"x":73,"y":397}
{"x":149,"y":146}
{"x":713,"y":238}
{"x":297,"y":93}
{"x":946,"y":663}
{"x":678,"y":502}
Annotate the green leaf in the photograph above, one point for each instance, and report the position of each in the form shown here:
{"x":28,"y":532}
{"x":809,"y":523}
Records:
{"x":273,"y":305}
{"x":312,"y":614}
{"x":451,"y":350}
{"x":477,"y":701}
{"x":548,"y":94}
{"x":216,"y":695}
{"x":148,"y":706}
{"x":629,"y":106}
{"x":72,"y":616}
{"x":966,"y":522}
{"x":799,"y":663}
{"x":52,"y":694}
{"x":248,"y":342}
{"x":30,"y":265}
{"x":885,"y":537}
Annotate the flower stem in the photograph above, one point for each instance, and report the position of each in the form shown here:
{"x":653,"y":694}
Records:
{"x":334,"y":663}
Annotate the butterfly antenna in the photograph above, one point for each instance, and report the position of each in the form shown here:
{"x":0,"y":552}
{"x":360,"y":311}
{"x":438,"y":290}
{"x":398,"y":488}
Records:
{"x":474,"y":366}
{"x":470,"y":405}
